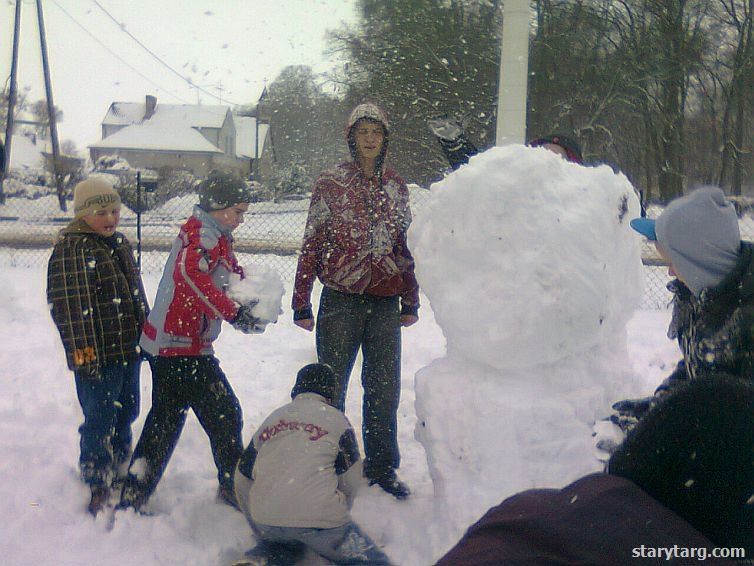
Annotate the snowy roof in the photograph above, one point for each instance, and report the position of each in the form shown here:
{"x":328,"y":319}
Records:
{"x":246,"y":135}
{"x":172,"y":127}
{"x":25,"y":155}
{"x":195,"y":115}
{"x":158,"y":135}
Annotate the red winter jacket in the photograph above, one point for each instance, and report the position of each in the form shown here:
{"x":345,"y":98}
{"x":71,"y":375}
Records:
{"x":191,"y":302}
{"x":355,"y":238}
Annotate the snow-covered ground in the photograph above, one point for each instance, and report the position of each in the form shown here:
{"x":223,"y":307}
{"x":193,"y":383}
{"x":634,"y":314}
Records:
{"x":43,"y":504}
{"x":499,"y":411}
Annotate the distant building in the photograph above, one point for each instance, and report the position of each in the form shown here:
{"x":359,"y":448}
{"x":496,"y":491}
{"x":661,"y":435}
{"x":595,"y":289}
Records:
{"x":31,"y":148}
{"x":255,"y":144}
{"x":191,"y":137}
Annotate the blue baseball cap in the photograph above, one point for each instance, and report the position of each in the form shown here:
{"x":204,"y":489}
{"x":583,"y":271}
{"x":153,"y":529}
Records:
{"x":645,"y":227}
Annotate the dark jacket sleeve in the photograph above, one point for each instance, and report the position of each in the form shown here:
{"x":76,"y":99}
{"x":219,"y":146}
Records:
{"x":405,"y":261}
{"x":348,"y":466}
{"x":599,"y":519}
{"x":246,"y":463}
{"x":457,"y":151}
{"x":348,"y":453}
{"x":71,"y":288}
{"x":137,"y":285}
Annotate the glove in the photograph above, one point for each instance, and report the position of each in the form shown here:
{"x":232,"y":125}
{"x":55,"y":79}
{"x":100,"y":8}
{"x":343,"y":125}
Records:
{"x":629,"y":412}
{"x":247,"y":322}
{"x":445,"y":127}
{"x":635,"y":408}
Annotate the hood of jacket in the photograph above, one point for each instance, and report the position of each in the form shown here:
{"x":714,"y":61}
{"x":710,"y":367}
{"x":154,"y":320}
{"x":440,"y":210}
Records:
{"x":367,"y":111}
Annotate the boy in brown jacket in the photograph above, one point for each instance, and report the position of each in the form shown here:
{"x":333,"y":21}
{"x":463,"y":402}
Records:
{"x":97,"y":302}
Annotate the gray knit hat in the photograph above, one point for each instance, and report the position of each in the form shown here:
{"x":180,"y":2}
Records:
{"x":699,"y":233}
{"x":222,"y":190}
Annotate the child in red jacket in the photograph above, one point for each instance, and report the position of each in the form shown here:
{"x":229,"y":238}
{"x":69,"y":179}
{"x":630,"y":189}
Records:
{"x":190,"y":307}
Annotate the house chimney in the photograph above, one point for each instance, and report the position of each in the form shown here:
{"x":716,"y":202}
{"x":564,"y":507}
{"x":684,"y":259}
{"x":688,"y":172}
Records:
{"x":151,"y":106}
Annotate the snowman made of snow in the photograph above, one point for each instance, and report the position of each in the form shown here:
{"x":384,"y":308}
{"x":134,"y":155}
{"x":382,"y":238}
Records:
{"x":532,"y":272}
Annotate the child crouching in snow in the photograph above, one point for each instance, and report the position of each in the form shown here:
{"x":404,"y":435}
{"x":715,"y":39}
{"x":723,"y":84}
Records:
{"x":190,"y":307}
{"x":98,"y":304}
{"x":296,"y":480}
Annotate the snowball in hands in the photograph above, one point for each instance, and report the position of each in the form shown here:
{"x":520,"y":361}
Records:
{"x":262,"y":290}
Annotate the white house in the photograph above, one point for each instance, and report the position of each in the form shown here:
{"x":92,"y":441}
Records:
{"x":191,"y":137}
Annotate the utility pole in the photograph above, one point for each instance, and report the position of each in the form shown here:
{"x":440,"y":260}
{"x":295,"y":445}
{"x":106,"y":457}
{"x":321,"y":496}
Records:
{"x":50,"y":109}
{"x":513,"y":75}
{"x":12,"y":93}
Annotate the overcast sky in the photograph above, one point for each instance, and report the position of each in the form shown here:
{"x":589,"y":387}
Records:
{"x":236,"y":44}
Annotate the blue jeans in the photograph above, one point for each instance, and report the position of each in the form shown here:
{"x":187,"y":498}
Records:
{"x":343,"y":545}
{"x":349,"y":322}
{"x":110,"y":403}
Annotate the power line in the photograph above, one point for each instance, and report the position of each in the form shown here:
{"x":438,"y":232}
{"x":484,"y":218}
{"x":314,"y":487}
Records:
{"x":154,"y":55}
{"x":118,"y":57}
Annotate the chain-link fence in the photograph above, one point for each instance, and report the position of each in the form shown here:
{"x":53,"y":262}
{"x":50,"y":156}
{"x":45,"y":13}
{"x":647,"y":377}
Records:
{"x":271,"y":235}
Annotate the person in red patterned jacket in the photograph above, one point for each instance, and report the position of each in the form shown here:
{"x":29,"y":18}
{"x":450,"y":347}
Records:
{"x":190,"y":307}
{"x":355,"y":243}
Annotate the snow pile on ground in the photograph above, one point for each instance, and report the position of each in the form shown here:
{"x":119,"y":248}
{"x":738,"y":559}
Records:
{"x":532,"y":272}
{"x":262,"y":287}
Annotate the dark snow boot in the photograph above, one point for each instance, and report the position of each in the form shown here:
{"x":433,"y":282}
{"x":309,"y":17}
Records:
{"x":273,"y":553}
{"x":390,"y":483}
{"x":227,"y":496}
{"x":132,"y":495}
{"x":100,"y":497}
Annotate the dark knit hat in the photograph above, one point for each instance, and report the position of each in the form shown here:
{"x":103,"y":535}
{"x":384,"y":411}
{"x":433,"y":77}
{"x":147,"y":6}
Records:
{"x":694,"y":453}
{"x":571,"y":146}
{"x":222,"y":190}
{"x":316,"y":378}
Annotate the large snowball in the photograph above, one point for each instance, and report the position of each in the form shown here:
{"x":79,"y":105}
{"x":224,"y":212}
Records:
{"x":261,"y":288}
{"x":522,"y":250}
